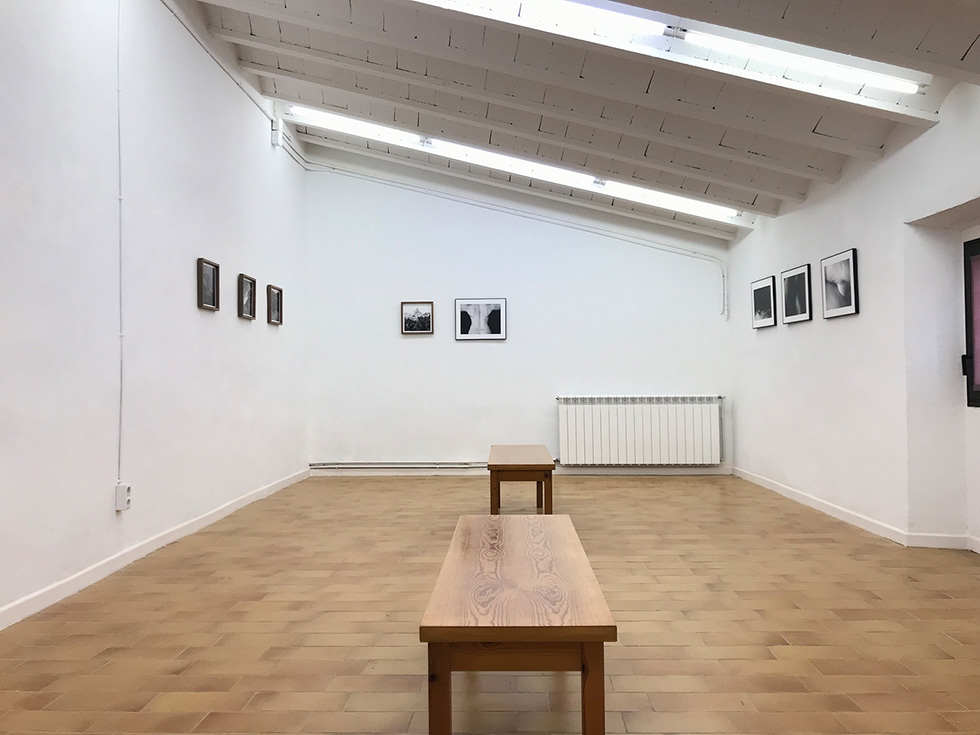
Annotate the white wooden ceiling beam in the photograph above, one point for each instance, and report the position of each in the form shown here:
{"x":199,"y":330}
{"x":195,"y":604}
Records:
{"x":408,"y":120}
{"x":761,"y":205}
{"x":754,"y":153}
{"x":675,"y":53}
{"x":791,"y":189}
{"x":638,"y":212}
{"x":707,"y":113}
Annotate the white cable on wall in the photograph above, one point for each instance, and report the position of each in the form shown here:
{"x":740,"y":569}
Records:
{"x":120,"y":210}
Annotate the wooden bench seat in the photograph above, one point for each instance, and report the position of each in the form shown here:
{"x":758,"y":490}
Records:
{"x":521,"y":463}
{"x":516,"y":593}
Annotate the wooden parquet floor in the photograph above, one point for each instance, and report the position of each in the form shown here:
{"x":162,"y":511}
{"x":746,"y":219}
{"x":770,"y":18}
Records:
{"x":739,"y":612}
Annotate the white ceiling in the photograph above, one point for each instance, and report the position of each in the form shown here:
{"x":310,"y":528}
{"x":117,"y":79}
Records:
{"x":672,"y":122}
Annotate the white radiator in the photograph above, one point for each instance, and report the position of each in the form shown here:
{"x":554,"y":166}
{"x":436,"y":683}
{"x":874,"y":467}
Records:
{"x":640,"y":430}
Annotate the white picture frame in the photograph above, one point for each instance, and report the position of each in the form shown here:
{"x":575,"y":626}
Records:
{"x":481,"y":319}
{"x":796,"y":293}
{"x":839,"y":281}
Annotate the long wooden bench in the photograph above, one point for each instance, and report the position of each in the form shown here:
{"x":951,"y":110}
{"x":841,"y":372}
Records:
{"x":516,"y":593}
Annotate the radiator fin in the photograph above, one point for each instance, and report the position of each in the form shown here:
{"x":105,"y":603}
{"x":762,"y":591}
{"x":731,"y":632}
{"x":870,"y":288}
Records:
{"x":640,"y":430}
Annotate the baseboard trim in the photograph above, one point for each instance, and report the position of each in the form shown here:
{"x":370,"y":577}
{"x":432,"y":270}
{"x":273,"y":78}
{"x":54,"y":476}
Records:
{"x":938,"y":540}
{"x":333,"y":469}
{"x":37,"y":601}
{"x":905,"y":538}
{"x":973,"y":543}
{"x":839,"y":512}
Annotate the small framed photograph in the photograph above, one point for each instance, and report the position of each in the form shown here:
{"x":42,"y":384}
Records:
{"x":416,"y":317}
{"x":764,"y":303}
{"x":481,"y":319}
{"x":246,"y":296}
{"x":273,"y":297}
{"x":207,"y":285}
{"x":796,"y":294}
{"x":839,"y":275}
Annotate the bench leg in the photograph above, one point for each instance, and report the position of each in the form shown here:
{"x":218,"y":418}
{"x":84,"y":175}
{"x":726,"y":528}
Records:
{"x":540,"y":485}
{"x":593,"y":690}
{"x":441,"y":690}
{"x":548,"y":500}
{"x":494,"y":493}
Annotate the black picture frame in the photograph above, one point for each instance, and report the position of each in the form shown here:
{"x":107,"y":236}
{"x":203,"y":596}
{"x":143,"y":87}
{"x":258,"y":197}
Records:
{"x":839,"y":284}
{"x":481,"y":319}
{"x":417,"y":317}
{"x":208,"y":285}
{"x":797,"y":295}
{"x":764,"y":303}
{"x":273,"y":300}
{"x":246,"y":296}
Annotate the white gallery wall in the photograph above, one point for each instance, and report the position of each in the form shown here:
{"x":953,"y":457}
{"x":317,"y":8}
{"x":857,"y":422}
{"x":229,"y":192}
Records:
{"x":212,"y":413}
{"x":59,"y":272}
{"x":864,"y":416}
{"x":587,"y":314}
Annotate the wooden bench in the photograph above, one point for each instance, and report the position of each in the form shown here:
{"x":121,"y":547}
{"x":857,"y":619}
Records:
{"x":521,"y":463}
{"x":516,"y":593}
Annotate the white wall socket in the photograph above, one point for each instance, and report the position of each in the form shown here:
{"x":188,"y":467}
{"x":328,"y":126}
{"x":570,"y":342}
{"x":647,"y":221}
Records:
{"x":123,"y":497}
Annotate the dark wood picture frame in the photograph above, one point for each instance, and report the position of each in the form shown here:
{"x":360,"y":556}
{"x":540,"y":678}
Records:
{"x":417,"y":317}
{"x":246,"y":296}
{"x":797,"y":294}
{"x":764,"y":302}
{"x":839,"y":284}
{"x":208,"y":285}
{"x":273,"y":300}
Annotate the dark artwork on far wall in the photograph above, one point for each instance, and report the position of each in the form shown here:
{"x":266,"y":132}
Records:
{"x":764,"y":302}
{"x":796,"y":294}
{"x":273,"y":295}
{"x":207,"y":285}
{"x":481,"y":319}
{"x":246,"y":296}
{"x":839,"y":277}
{"x":416,"y":317}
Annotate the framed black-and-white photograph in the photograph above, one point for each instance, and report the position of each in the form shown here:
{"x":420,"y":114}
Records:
{"x":764,"y":302}
{"x":416,"y":317}
{"x":839,"y":275}
{"x":481,"y":319}
{"x":207,"y":285}
{"x":796,"y":294}
{"x":246,"y":296}
{"x":273,"y":297}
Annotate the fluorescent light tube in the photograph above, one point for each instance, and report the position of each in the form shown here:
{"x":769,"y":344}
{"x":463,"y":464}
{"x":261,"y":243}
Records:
{"x":569,"y":19}
{"x":801,"y":63}
{"x":506,"y":163}
{"x":350,"y":126}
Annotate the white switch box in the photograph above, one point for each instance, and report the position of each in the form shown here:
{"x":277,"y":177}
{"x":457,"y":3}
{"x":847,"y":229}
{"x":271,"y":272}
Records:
{"x":123,"y":497}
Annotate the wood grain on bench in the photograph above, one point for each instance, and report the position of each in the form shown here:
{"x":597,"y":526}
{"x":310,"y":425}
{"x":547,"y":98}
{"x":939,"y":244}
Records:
{"x":516,"y":593}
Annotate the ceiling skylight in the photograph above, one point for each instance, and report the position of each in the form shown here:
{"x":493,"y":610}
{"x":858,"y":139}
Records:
{"x":510,"y":164}
{"x":802,"y":63}
{"x":629,"y":32}
{"x":569,"y":19}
